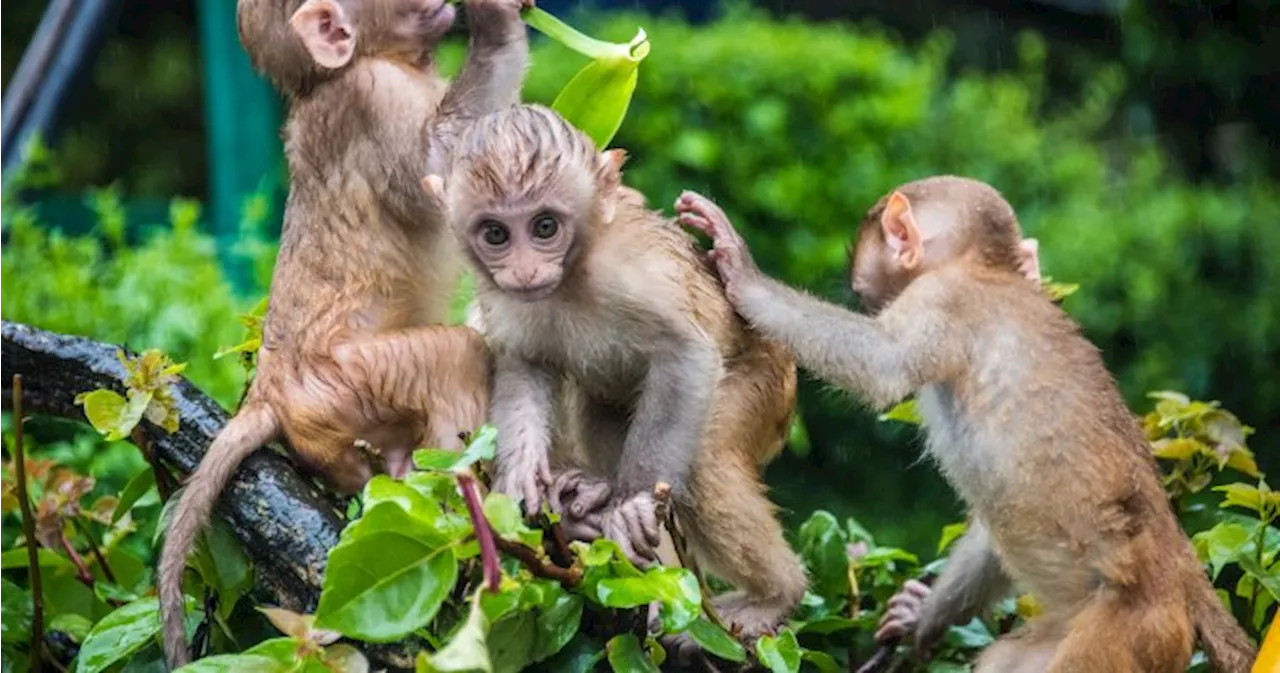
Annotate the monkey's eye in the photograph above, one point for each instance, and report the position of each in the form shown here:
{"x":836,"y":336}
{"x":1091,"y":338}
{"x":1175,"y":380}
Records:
{"x":545,"y":227}
{"x":494,"y":233}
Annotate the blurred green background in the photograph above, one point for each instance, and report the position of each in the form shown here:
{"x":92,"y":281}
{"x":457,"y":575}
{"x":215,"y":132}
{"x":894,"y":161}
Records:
{"x":1135,"y":139}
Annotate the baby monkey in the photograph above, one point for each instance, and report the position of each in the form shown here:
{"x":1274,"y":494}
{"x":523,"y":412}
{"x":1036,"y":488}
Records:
{"x":1023,"y":419}
{"x":619,"y":360}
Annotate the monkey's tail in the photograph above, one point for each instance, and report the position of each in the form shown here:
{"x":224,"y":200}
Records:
{"x":1226,"y":644}
{"x":254,"y":426}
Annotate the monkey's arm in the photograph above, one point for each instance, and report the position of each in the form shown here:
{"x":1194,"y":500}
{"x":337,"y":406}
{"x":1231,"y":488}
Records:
{"x":491,"y":75}
{"x":523,"y":409}
{"x":883,"y":359}
{"x":972,"y":580}
{"x":670,"y":416}
{"x":664,"y":437}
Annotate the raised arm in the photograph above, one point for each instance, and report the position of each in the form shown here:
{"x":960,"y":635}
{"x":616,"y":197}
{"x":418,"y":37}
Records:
{"x":881,"y":359}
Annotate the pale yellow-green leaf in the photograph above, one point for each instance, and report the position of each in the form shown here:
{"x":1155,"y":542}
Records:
{"x":1177,"y":448}
{"x":1241,"y":495}
{"x":596,"y":99}
{"x":950,"y":534}
{"x":113,"y":415}
{"x":904,"y":412}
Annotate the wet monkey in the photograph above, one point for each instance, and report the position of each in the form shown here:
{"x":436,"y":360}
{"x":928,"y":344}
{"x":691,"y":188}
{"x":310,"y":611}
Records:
{"x":356,"y":366}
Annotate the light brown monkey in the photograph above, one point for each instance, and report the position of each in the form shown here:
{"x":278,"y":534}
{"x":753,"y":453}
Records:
{"x":604,"y":310}
{"x":355,"y":355}
{"x":1024,"y":420}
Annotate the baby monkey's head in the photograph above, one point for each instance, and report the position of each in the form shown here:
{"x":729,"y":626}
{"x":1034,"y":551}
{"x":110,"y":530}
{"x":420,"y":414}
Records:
{"x":930,"y":223}
{"x":523,"y":191}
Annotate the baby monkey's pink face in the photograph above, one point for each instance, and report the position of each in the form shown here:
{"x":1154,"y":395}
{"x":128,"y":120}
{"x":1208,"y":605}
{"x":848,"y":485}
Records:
{"x":524,"y":250}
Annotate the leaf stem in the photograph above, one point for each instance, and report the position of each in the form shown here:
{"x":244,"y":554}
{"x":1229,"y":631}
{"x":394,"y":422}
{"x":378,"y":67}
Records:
{"x":540,"y":566}
{"x":28,"y":527}
{"x":590,"y":47}
{"x":93,"y":548}
{"x":488,"y":549}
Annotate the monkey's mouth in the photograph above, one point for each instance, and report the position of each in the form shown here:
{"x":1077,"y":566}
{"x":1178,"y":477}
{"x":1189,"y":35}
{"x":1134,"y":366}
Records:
{"x":531,"y":293}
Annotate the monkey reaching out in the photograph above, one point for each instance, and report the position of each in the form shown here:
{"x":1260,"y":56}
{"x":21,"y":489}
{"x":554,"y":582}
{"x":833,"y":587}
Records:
{"x":1025,"y":422}
{"x":618,"y":362}
{"x":354,"y":352}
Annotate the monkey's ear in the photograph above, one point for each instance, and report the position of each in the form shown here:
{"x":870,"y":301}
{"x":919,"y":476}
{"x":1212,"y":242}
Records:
{"x":1029,"y":259}
{"x":433,"y":185}
{"x":609,"y":178}
{"x":901,"y":233}
{"x":326,"y":31}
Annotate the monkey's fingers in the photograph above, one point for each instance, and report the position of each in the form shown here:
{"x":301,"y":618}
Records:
{"x":916,"y":588}
{"x":532,"y":495}
{"x":563,"y":489}
{"x":590,"y":498}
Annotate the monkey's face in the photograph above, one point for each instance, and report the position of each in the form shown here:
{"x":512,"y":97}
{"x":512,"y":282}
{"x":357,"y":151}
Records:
{"x":523,"y":252}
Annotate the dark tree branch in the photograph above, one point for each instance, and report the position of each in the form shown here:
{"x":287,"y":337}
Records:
{"x":284,"y":521}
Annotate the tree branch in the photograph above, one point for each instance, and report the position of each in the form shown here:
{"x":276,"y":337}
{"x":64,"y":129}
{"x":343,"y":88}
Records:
{"x":284,"y":521}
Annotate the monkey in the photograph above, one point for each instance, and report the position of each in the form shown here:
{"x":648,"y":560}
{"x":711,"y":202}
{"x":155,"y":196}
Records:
{"x":357,"y":367}
{"x":617,"y":357}
{"x":1025,"y":422}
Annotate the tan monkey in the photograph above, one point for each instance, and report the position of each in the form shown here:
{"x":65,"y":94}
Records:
{"x":1024,"y":420}
{"x":617,"y":354}
{"x":355,"y":355}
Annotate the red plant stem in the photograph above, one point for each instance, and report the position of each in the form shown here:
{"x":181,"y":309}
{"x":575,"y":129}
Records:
{"x":488,"y":548}
{"x":28,"y":527}
{"x":82,"y":569}
{"x":93,"y":548}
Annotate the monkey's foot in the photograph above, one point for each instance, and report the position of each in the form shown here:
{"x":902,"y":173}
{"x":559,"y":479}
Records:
{"x":903,"y":613}
{"x":580,"y":499}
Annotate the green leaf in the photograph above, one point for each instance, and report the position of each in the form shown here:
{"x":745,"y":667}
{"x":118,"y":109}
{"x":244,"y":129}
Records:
{"x":120,"y":634}
{"x":138,"y":486}
{"x":822,"y":545}
{"x":16,"y":610}
{"x":590,"y":47}
{"x":1241,"y":495}
{"x":951,"y":533}
{"x":435,"y":459}
{"x":75,"y":626}
{"x":17,"y":558}
{"x":467,"y":651}
{"x":780,"y":654}
{"x":905,"y":411}
{"x":483,"y":446}
{"x":383,"y":488}
{"x":235,"y":663}
{"x":557,"y":625}
{"x":386,"y":578}
{"x":824,"y":662}
{"x":971,"y":636}
{"x":717,"y":641}
{"x":510,"y":642}
{"x":626,"y":655}
{"x":112,"y":415}
{"x":596,"y":100}
{"x":223,"y":565}
{"x":1268,"y":580}
{"x":581,"y":655}
{"x":676,"y":588}
{"x":1224,"y":543}
{"x":504,"y":515}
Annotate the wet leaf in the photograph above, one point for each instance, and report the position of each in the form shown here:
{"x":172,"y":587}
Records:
{"x":111,"y":414}
{"x":676,"y":588}
{"x":17,"y":609}
{"x":141,"y":484}
{"x":779,"y":654}
{"x":626,"y":655}
{"x":467,"y":651}
{"x":717,"y":641}
{"x":223,"y":565}
{"x":556,"y":625}
{"x":386,"y":578}
{"x":120,"y":634}
{"x":383,"y":488}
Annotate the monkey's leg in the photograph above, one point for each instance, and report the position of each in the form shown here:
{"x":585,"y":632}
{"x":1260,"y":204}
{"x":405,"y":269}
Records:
{"x":1135,"y":632}
{"x":1027,"y":650}
{"x":436,"y":377}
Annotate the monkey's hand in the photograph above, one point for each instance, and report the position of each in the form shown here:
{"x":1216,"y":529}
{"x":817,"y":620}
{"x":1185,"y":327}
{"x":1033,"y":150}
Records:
{"x":524,"y":476}
{"x":496,"y":20}
{"x":729,"y":252}
{"x":580,"y":499}
{"x":633,"y":524}
{"x":902,"y":618}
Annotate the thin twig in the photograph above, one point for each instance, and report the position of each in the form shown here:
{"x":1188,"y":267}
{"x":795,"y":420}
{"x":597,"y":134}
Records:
{"x":93,"y":548}
{"x":539,"y":565}
{"x":164,"y":481}
{"x":82,"y":569}
{"x":488,"y":550}
{"x":28,"y":527}
{"x":667,"y":514}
